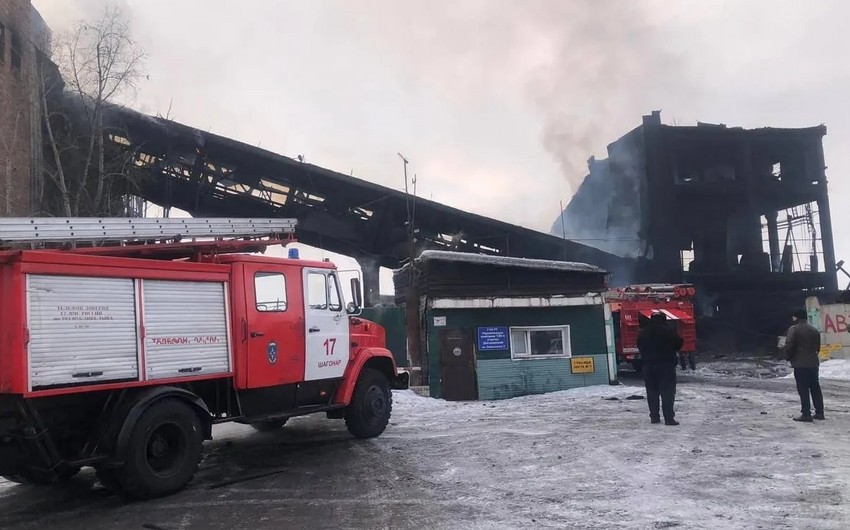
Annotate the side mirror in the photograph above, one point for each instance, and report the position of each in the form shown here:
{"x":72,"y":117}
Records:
{"x":351,"y":308}
{"x":356,"y":295}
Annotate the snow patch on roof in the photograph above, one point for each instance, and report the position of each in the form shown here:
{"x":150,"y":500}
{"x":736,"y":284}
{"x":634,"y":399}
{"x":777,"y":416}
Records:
{"x":503,"y":261}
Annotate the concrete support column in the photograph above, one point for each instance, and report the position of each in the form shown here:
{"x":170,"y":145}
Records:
{"x":371,"y":280}
{"x":829,"y":260}
{"x":773,"y":239}
{"x":826,"y":223}
{"x":751,"y":236}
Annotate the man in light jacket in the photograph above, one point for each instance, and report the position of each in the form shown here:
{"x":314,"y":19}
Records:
{"x":802,"y":344}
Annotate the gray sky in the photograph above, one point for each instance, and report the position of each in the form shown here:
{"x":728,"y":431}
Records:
{"x":496,"y":103}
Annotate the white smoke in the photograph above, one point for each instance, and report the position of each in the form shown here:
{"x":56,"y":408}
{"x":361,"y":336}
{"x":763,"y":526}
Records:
{"x":589,"y":69}
{"x":577,"y":73}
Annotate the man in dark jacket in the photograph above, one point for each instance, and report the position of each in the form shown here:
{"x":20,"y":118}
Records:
{"x":802,"y":345}
{"x":658,"y":345}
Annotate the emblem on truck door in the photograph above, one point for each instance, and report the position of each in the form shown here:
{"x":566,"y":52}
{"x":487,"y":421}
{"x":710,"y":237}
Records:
{"x":272,"y":351}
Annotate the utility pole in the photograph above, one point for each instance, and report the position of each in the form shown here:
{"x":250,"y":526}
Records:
{"x":563,"y":228}
{"x":405,"y":162}
{"x":413,"y":217}
{"x":410,"y":299}
{"x":409,"y":217}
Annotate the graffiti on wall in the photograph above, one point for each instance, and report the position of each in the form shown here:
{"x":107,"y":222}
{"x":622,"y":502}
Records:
{"x":832,"y":320}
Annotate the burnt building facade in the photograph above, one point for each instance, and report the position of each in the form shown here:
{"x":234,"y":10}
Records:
{"x":741,"y":213}
{"x":24,"y":39}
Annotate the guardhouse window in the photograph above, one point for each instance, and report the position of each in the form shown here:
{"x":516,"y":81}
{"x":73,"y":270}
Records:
{"x":17,"y":53}
{"x":540,"y":342}
{"x":270,"y":291}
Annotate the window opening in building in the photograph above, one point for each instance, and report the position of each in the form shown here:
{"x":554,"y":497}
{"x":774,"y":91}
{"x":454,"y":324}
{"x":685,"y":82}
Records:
{"x":687,"y":257}
{"x":2,"y":43}
{"x":17,"y":53}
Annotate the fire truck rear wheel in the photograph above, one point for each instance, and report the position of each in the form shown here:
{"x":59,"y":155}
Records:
{"x":371,"y":404}
{"x":164,"y":451}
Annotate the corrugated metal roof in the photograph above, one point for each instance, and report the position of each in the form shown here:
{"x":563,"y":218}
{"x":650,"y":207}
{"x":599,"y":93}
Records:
{"x":502,"y":261}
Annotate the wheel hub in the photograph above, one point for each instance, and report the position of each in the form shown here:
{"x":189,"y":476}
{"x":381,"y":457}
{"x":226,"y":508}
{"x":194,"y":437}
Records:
{"x":165,"y":448}
{"x":376,"y":402}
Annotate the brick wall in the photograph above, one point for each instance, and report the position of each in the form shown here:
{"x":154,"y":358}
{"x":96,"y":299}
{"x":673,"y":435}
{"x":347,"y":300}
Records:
{"x":20,"y":134}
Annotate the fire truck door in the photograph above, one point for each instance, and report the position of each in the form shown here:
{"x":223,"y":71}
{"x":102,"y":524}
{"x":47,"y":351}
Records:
{"x":274,"y":326}
{"x":326,"y":323}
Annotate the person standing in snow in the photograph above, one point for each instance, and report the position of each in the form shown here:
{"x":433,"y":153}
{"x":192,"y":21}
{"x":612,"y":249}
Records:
{"x":658,"y":345}
{"x":802,"y":345}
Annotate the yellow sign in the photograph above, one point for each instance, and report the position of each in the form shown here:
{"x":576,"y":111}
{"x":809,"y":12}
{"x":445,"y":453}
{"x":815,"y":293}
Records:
{"x":582,"y":365}
{"x":827,"y":350}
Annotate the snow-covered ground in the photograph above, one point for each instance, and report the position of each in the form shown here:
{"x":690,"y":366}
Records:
{"x":838,"y":369}
{"x":765,"y":368}
{"x":740,"y":367}
{"x":590,"y":458}
{"x":584,"y":458}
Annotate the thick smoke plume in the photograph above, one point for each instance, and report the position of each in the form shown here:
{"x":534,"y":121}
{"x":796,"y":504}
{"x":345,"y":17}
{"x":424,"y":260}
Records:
{"x":589,"y":69}
{"x":568,"y":75}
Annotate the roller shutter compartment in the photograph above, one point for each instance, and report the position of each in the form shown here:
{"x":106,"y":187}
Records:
{"x":82,"y":330}
{"x":185,"y":328}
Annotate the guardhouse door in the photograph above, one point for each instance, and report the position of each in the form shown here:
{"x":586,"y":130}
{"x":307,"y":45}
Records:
{"x":457,"y":365}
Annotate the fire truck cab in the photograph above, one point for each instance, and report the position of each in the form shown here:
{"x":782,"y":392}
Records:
{"x":122,"y":357}
{"x":632,"y":306}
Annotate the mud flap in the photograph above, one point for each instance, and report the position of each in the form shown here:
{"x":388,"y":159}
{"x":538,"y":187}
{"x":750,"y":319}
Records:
{"x":10,"y":457}
{"x":401,"y":381}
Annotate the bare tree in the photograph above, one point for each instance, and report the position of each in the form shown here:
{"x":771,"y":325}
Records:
{"x":57,"y":172}
{"x":99,"y":65}
{"x":9,"y":140}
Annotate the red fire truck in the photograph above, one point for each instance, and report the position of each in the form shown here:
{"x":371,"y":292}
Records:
{"x":122,"y":355}
{"x":632,"y":306}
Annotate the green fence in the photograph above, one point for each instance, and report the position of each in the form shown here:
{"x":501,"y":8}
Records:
{"x":392,"y":319}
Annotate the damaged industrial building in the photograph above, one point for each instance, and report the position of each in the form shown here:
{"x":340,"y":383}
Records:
{"x":742,"y":214}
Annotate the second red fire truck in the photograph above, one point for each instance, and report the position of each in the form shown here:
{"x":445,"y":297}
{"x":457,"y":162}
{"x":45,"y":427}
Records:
{"x":632,"y":306}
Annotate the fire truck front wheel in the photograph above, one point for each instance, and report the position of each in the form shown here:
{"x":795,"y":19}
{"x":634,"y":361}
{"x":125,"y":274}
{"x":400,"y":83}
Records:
{"x":369,"y":411}
{"x":164,"y":451}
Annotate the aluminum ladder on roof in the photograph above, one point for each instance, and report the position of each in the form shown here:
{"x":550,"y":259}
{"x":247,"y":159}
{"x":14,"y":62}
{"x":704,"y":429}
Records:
{"x":118,"y":229}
